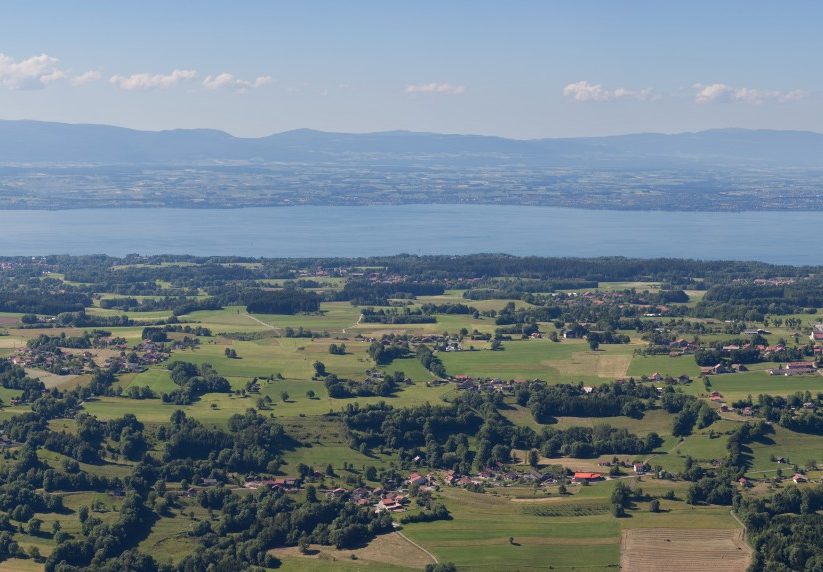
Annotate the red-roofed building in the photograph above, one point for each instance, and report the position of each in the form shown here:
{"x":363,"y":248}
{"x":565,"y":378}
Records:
{"x":587,"y":477}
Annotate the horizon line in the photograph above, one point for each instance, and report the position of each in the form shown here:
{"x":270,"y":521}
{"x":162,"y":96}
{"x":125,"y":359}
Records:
{"x":409,"y":131}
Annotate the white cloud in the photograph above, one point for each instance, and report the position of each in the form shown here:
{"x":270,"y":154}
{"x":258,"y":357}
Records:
{"x":225,"y":80}
{"x":84,"y":78}
{"x":721,"y":92}
{"x":35,"y":72}
{"x":446,"y":88}
{"x":146,"y":81}
{"x":218,"y":81}
{"x":585,"y":91}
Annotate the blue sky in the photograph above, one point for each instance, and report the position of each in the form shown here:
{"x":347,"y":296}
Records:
{"x":517,"y":69}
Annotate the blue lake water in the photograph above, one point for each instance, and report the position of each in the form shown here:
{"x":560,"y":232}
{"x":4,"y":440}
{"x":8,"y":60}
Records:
{"x":780,"y":237}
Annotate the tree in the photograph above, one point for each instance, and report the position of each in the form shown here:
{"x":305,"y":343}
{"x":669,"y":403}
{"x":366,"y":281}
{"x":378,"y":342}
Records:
{"x":594,"y":344}
{"x":371,"y":473}
{"x":618,"y":511}
{"x":35,"y":525}
{"x":284,"y":395}
{"x":534,"y":458}
{"x":311,"y":493}
{"x":34,"y":554}
{"x":319,"y":369}
{"x":303,"y":545}
{"x":311,"y":394}
{"x":654,"y":505}
{"x":55,"y":527}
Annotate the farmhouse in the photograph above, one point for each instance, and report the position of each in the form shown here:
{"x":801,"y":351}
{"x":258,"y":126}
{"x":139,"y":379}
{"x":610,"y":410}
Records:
{"x":417,"y":479}
{"x":795,"y":368}
{"x":587,"y":477}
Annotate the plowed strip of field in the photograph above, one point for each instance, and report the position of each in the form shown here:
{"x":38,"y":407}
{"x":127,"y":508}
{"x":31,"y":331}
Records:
{"x":684,"y":550}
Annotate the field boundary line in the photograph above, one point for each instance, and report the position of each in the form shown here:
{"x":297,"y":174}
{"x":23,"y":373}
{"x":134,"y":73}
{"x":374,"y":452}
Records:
{"x":745,"y":530}
{"x":261,"y":322}
{"x":413,"y":543}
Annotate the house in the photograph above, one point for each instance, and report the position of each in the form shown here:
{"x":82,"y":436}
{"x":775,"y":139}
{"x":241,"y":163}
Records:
{"x":587,"y":477}
{"x":714,"y":370}
{"x":285,"y":483}
{"x":798,"y":478}
{"x":210,"y":482}
{"x":639,"y":468}
{"x":417,"y":479}
{"x":392,"y":503}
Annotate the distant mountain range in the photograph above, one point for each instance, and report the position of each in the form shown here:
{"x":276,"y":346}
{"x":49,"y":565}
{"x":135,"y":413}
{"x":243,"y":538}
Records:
{"x":27,"y":142}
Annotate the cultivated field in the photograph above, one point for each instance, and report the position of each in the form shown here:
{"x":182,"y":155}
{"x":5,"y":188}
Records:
{"x":679,"y":550}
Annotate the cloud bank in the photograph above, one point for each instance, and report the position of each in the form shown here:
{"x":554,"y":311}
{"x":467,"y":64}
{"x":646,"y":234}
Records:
{"x":434,"y":87}
{"x":721,"y":92}
{"x":227,"y":80}
{"x":584,"y":91}
{"x":147,"y":81}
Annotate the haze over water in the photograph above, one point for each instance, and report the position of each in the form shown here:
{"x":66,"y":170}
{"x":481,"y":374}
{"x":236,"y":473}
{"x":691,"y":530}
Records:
{"x":308,"y":231}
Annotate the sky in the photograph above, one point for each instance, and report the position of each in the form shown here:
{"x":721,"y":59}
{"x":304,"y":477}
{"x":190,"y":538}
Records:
{"x":522,"y":69}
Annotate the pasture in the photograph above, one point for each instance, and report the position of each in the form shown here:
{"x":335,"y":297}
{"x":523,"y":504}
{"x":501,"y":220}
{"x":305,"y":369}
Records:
{"x":569,"y":361}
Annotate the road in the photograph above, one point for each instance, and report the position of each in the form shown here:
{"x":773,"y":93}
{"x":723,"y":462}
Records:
{"x":413,"y":543}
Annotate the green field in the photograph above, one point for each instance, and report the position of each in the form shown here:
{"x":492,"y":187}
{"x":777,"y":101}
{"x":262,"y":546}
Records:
{"x":569,"y":361}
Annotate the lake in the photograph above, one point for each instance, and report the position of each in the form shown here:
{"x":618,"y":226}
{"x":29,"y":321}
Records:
{"x":780,"y":237}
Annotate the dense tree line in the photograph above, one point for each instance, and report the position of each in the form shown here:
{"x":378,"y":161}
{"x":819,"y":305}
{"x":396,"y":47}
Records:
{"x":287,"y":301}
{"x":395,"y":316}
{"x":549,"y":401}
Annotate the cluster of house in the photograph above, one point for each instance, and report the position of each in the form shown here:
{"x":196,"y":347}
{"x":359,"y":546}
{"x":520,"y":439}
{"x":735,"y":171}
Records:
{"x":285,"y":483}
{"x":146,"y":353}
{"x":638,"y":468}
{"x":498,"y":476}
{"x":469,"y":383}
{"x":723,"y":367}
{"x":657,"y":376}
{"x":54,"y":360}
{"x":749,"y":410}
{"x":681,"y":347}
